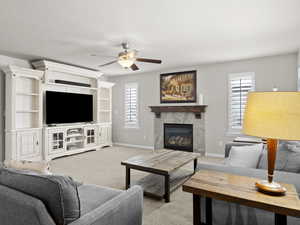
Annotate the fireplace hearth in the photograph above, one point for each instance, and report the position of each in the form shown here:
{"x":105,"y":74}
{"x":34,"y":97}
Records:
{"x":178,"y":136}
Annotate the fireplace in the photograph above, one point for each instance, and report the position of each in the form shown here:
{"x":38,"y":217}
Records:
{"x":178,"y":136}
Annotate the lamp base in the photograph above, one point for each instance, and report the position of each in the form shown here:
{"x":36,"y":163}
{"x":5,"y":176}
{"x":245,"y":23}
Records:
{"x":272,"y":188}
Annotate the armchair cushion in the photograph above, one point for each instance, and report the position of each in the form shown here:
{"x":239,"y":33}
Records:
{"x":92,"y":196}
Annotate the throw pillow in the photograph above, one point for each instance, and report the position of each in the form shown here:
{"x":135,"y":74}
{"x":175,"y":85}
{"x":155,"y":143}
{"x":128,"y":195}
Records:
{"x":42,"y":167}
{"x":287,"y":159}
{"x":281,"y":158}
{"x":58,"y":193}
{"x":244,"y":156}
{"x":293,"y":145}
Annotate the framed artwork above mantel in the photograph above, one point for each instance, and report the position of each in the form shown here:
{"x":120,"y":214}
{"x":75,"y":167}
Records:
{"x":179,"y":87}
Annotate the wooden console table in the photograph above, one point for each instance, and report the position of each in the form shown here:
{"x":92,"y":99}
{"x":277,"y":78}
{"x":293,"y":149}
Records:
{"x":165,"y":168}
{"x":241,"y":190}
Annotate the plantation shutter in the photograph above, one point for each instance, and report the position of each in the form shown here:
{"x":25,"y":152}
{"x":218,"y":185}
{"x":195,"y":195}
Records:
{"x":131,"y":105}
{"x":239,"y":86}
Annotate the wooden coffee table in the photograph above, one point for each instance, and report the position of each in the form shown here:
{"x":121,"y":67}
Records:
{"x":166,"y":171}
{"x":241,"y":190}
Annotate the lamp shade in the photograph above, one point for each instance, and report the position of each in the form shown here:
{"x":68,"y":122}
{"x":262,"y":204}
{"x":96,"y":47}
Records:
{"x":273,"y":115}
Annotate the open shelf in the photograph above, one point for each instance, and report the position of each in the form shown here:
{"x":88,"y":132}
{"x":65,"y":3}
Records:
{"x":74,"y":135}
{"x":27,"y":103}
{"x":74,"y":141}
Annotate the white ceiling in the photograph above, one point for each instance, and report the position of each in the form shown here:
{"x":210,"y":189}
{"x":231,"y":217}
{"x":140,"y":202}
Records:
{"x":180,"y":32}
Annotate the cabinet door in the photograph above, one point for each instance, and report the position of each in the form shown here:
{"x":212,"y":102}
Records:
{"x":90,"y":135}
{"x":29,"y":145}
{"x":102,"y":135}
{"x":56,"y":142}
{"x":109,"y":136}
{"x":105,"y":135}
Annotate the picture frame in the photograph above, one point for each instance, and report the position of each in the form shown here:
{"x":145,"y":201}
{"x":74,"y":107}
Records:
{"x":178,"y":87}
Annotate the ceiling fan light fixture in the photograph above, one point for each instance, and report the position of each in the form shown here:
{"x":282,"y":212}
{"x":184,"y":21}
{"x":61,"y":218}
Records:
{"x":126,"y":60}
{"x":126,"y":63}
{"x":128,"y":57}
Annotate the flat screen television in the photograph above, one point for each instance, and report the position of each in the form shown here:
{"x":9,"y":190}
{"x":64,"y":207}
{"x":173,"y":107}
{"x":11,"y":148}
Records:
{"x":64,"y":107}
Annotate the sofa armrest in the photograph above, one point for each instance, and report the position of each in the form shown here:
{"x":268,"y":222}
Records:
{"x":124,"y":209}
{"x":17,"y":208}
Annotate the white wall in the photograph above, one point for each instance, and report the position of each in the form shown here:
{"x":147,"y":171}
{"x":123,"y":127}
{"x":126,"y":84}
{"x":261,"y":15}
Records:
{"x":279,"y":71}
{"x":299,"y":70}
{"x":4,"y":61}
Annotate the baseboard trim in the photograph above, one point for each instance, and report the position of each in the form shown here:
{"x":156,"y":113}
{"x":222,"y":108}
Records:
{"x":134,"y":146}
{"x":214,"y":155}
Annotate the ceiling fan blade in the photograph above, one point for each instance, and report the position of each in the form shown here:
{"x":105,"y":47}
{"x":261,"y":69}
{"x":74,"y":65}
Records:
{"x":148,"y":60}
{"x":134,"y":67}
{"x":106,"y":64}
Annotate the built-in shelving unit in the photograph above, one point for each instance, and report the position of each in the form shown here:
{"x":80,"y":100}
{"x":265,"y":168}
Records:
{"x":27,"y":135}
{"x":24,"y":110}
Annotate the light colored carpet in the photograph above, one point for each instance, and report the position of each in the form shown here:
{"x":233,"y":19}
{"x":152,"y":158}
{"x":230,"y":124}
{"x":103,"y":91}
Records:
{"x":103,"y":167}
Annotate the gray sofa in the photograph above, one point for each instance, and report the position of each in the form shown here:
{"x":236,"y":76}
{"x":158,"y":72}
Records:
{"x":225,"y":213}
{"x":98,"y":205}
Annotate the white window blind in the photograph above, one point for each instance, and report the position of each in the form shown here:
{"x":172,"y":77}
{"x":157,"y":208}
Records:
{"x":131,"y":105}
{"x":239,"y":86}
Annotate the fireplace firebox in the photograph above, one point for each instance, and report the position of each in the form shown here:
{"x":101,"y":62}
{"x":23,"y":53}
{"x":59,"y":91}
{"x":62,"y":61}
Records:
{"x":178,"y":136}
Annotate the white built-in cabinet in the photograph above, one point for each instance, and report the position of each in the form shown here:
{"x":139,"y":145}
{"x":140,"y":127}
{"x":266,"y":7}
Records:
{"x":23,"y":114}
{"x":105,"y":113}
{"x":27,"y":135}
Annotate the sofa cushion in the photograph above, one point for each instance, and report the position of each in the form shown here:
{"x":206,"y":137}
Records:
{"x":287,"y":159}
{"x":58,"y":193}
{"x":244,"y":156}
{"x":93,"y":196}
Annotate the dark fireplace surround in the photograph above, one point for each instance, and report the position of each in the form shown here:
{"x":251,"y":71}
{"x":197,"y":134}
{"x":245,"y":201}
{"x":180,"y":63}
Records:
{"x":178,"y":136}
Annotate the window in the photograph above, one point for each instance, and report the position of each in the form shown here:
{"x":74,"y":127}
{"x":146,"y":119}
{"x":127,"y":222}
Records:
{"x":239,"y":86}
{"x":131,"y":105}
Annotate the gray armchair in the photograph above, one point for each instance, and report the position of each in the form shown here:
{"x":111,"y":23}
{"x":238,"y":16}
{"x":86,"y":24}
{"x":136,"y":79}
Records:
{"x":99,"y":206}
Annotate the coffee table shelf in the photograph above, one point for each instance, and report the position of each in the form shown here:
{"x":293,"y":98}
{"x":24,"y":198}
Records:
{"x":154,"y":185}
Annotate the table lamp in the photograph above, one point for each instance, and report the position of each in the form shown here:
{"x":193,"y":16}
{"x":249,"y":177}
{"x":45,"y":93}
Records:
{"x":273,"y":116}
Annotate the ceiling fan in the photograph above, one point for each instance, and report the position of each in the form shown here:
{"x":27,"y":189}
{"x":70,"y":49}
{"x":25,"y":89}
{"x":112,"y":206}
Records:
{"x":128,"y":57}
